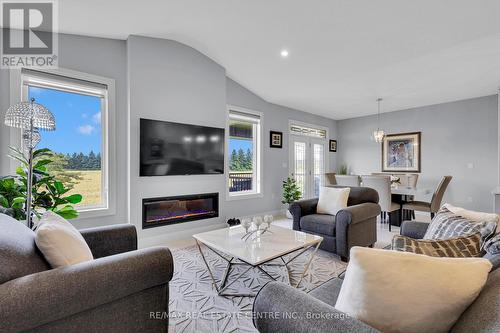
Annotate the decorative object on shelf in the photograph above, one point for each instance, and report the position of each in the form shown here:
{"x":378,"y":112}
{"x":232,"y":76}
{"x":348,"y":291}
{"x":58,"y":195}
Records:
{"x":379,"y":134}
{"x":276,"y":139}
{"x":333,"y":146}
{"x":401,"y":152}
{"x":233,"y":222}
{"x":395,"y":180}
{"x":291,"y":193}
{"x":30,"y":117}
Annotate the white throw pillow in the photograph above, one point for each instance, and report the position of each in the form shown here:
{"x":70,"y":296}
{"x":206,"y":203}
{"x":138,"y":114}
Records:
{"x":60,"y":242}
{"x":475,"y":216}
{"x":396,"y":291}
{"x":332,"y":199}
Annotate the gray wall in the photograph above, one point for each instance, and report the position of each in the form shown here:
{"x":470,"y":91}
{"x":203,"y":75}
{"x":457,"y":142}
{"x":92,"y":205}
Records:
{"x":98,"y":56}
{"x":171,"y":81}
{"x":455,"y":136}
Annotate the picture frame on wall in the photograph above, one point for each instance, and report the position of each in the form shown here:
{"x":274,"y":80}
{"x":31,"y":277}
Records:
{"x":401,"y":152}
{"x":333,"y":146}
{"x":276,"y":139}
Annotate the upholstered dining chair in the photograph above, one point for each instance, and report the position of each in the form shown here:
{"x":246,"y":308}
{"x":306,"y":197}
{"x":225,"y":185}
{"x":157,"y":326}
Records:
{"x":347,"y":180}
{"x":382,"y":184}
{"x":433,"y":206}
{"x":330,"y":179}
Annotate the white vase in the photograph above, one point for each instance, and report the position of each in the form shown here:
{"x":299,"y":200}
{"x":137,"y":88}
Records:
{"x":288,"y":214}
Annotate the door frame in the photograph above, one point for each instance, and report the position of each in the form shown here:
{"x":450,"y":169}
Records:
{"x":309,"y":140}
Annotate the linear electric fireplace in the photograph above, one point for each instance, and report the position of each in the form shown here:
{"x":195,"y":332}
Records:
{"x":171,"y":210}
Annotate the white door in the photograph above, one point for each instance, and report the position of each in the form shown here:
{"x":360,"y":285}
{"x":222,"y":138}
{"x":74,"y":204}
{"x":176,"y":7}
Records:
{"x":308,"y":164}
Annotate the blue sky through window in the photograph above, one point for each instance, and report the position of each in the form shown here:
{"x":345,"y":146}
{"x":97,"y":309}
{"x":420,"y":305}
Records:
{"x":236,"y":144}
{"x":78,"y":121}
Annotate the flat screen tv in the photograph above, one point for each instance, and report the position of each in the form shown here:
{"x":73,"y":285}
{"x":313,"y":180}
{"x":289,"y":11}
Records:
{"x":169,"y":149}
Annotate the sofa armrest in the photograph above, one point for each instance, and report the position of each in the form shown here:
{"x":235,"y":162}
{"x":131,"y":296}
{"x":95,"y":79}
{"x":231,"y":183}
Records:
{"x":37,"y":299}
{"x":357,"y":213}
{"x":281,"y":308}
{"x":302,"y":208}
{"x":110,"y":240}
{"x":414,"y":229}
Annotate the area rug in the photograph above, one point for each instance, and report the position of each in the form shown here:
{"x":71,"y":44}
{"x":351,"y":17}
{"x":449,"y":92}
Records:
{"x":195,"y":306}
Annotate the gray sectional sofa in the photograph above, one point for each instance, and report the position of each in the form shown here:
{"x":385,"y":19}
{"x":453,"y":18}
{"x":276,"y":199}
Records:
{"x":315,"y":312}
{"x":116,"y":292}
{"x":354,"y":226}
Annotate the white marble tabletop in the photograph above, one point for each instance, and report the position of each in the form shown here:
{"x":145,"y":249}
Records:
{"x":257,"y":251}
{"x":408,"y":190}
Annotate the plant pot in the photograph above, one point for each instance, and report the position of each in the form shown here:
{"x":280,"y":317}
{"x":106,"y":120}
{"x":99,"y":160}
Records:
{"x":288,"y":214}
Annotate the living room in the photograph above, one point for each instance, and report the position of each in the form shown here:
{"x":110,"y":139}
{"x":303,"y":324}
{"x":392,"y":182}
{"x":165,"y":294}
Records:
{"x":253,"y":158}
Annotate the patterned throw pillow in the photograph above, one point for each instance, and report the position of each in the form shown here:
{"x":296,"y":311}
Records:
{"x":492,"y":246}
{"x":459,"y":247}
{"x":447,"y":225}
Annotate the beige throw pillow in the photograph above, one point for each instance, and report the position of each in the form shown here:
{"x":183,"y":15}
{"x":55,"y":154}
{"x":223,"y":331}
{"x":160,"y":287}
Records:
{"x":332,"y":199}
{"x":60,"y":242}
{"x":405,"y":292}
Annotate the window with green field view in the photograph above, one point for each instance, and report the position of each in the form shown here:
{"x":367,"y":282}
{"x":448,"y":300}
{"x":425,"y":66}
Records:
{"x":244,"y":143}
{"x":79,"y":108}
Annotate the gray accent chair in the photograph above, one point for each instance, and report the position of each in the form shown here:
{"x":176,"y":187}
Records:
{"x":354,"y":226}
{"x":116,"y":292}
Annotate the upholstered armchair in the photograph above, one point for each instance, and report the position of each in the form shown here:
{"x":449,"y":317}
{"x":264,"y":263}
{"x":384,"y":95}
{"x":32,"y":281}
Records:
{"x":115,"y":292}
{"x":355,"y":225}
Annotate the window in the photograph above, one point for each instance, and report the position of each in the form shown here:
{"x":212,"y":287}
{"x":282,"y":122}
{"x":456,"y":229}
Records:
{"x":244,"y":153}
{"x":307,"y":131}
{"x":80,"y":140}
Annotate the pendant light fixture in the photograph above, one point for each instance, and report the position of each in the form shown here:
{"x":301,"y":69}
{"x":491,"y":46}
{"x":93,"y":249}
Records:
{"x":378,"y":135}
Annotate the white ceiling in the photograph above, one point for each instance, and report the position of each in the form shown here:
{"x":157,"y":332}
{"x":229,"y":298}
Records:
{"x":343,"y":53}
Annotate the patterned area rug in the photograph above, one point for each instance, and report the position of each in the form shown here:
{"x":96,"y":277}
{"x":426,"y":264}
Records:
{"x":196,"y":307}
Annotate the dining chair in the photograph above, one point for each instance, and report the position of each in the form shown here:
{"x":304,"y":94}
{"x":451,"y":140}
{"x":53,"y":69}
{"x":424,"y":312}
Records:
{"x":347,"y":180}
{"x":330,"y":179}
{"x":433,"y":206}
{"x":382,"y":184}
{"x":408,"y":179}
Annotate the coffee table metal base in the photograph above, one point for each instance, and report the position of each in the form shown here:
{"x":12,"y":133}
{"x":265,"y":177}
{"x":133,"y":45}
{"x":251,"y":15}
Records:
{"x":224,"y":285}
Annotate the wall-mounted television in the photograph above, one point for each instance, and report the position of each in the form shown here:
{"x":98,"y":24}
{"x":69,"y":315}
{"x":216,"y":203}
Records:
{"x":168,"y":149}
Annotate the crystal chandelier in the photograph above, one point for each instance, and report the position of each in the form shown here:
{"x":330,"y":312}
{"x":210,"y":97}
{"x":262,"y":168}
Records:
{"x":30,"y":117}
{"x":378,"y":135}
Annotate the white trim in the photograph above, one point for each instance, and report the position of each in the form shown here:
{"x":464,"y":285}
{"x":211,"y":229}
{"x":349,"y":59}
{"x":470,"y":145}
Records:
{"x":259,"y":192}
{"x":108,"y":142}
{"x":301,"y":123}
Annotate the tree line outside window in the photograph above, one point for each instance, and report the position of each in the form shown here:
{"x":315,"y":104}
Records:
{"x":241,"y":160}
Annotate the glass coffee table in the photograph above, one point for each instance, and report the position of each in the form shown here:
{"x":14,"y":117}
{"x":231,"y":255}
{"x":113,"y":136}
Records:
{"x":258,"y":252}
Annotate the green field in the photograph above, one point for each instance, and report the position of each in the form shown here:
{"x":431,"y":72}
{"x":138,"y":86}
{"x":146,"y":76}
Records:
{"x":88,"y":185}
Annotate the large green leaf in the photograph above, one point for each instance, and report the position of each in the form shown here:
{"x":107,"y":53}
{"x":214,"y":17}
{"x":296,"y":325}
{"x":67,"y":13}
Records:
{"x":42,"y":152}
{"x":4,"y":202}
{"x":74,"y":198}
{"x":68,"y":212}
{"x":59,"y":186}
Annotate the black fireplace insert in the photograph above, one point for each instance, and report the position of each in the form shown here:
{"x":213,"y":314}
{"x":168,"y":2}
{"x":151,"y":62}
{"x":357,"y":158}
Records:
{"x":171,"y":210}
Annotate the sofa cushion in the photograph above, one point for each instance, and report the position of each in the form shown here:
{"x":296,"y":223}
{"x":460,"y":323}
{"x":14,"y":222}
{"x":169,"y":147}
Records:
{"x":318,"y":223}
{"x":483,"y":315}
{"x":475,"y":216}
{"x":328,"y":292}
{"x":19,"y":255}
{"x":60,"y":242}
{"x":331,"y":200}
{"x":458,"y":247}
{"x":425,"y":294}
{"x":449,"y":225}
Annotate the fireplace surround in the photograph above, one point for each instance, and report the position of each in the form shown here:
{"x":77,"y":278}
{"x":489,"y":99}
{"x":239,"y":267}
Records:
{"x":178,"y":209}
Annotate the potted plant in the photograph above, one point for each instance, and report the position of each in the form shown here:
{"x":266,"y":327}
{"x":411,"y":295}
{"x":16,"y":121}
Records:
{"x":291,"y":193}
{"x":343,"y":170}
{"x":49,"y":193}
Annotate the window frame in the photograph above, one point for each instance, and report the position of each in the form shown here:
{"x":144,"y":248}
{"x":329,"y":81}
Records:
{"x":19,"y":92}
{"x":258,"y":160}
